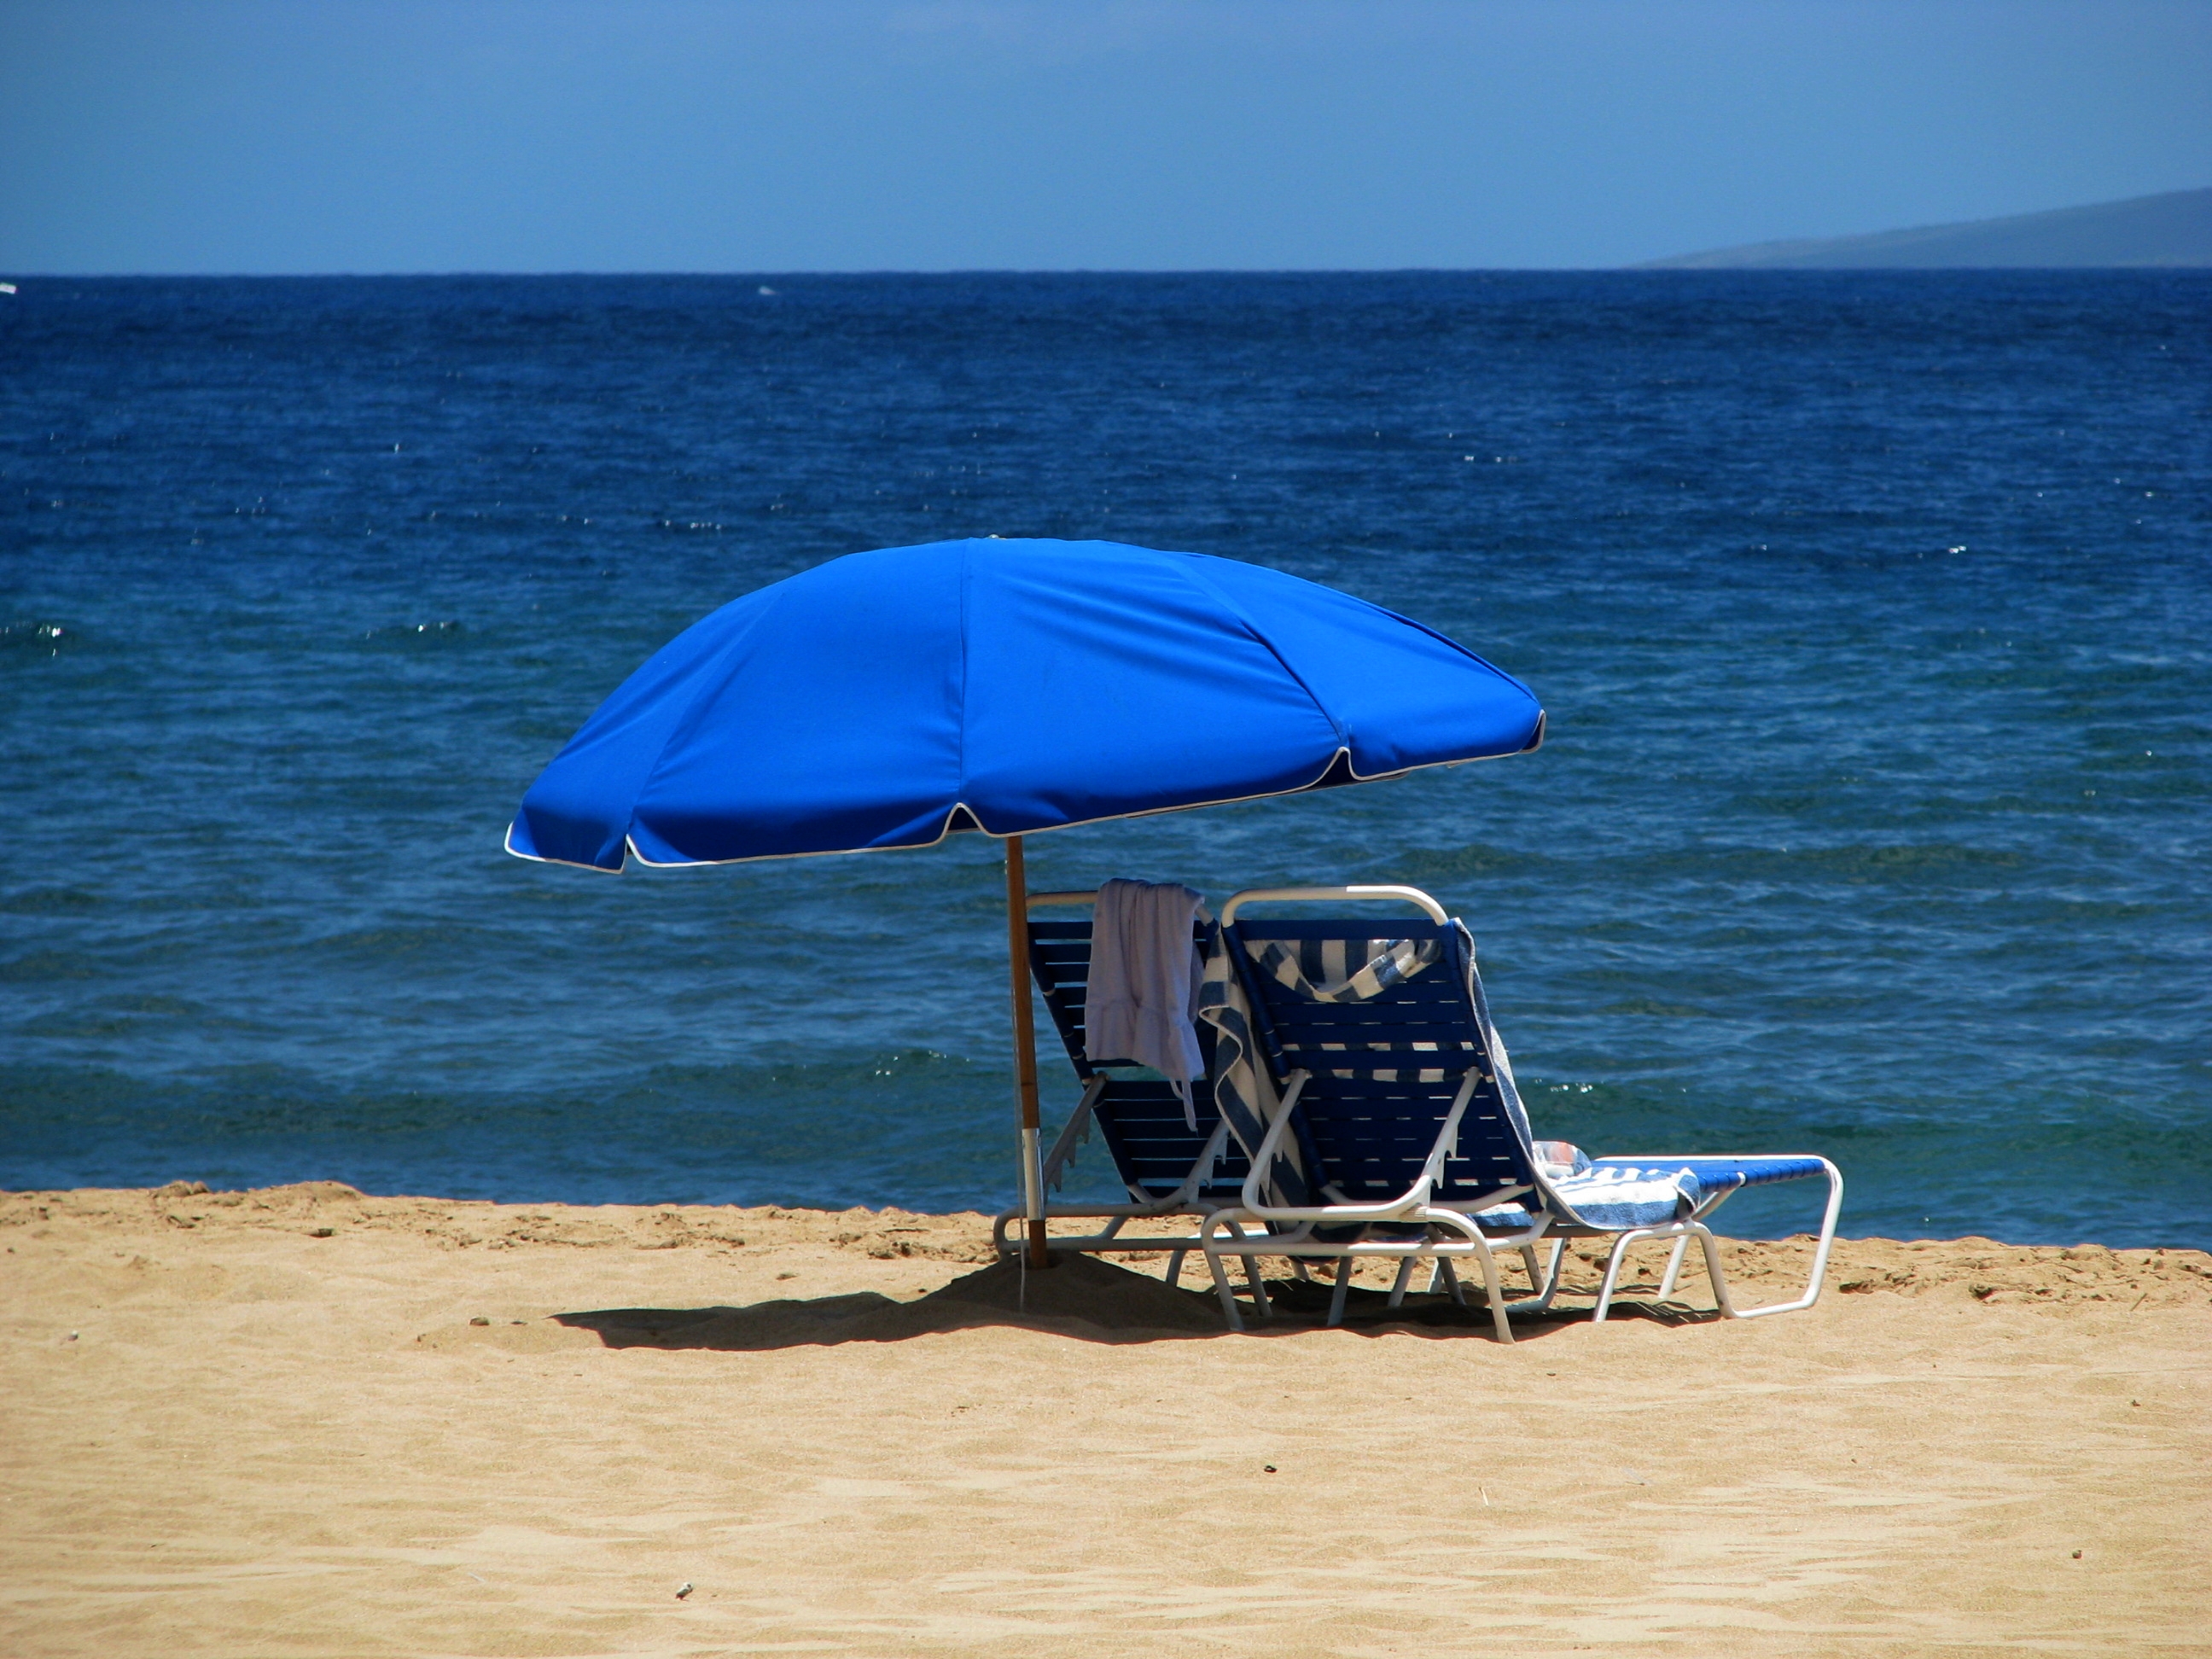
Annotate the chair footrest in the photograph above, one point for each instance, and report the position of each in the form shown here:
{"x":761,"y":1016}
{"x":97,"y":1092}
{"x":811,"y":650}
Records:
{"x":1717,"y":1174}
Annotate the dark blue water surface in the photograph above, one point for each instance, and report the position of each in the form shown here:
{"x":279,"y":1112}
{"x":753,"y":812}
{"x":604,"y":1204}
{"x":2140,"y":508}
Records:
{"x":1873,"y":613}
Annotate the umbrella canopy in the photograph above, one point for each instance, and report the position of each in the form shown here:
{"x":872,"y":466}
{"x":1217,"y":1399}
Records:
{"x":887,"y":699}
{"x":890,"y":699}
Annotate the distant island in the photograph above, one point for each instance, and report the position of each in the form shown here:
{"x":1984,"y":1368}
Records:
{"x":2173,"y":229}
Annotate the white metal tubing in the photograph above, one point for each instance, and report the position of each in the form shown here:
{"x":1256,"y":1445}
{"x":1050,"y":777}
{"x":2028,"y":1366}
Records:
{"x":1164,"y":1207}
{"x":1252,"y":1279}
{"x":1471,"y":1243}
{"x":1208,"y":1158}
{"x":1722,"y":1298}
{"x":1221,"y":1286}
{"x":1321,"y":894}
{"x":1673,"y":1267}
{"x":1114,"y":1215}
{"x":1407,"y":1208}
{"x":1820,"y":1254}
{"x":1300,"y":1243}
{"x":1682,"y":1231}
{"x":1064,"y":1145}
{"x":1264,"y":1159}
{"x":1401,"y":1208}
{"x":1537,"y":1279}
{"x":1405,"y":1278}
{"x":1258,"y":1286}
{"x":1633,"y":1235}
{"x":1221,"y":1275}
{"x":1478,"y":1246}
{"x":1496,"y":1292}
{"x":1707,"y":1206}
{"x":1364,"y":1250}
{"x":1546,"y":1285}
{"x":1432,"y":1171}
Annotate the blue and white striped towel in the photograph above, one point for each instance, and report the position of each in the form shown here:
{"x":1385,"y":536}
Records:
{"x":1616,"y":1197}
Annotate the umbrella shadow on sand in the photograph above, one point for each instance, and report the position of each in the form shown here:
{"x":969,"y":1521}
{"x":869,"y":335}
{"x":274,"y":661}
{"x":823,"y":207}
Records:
{"x":1081,"y":1297}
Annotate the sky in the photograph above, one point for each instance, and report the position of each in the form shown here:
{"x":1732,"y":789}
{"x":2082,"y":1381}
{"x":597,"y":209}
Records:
{"x":285,"y":137}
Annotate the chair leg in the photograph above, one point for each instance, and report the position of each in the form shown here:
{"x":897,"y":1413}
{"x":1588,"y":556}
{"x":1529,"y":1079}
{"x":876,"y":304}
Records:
{"x":1225,"y":1291}
{"x":1450,"y":1278}
{"x":1343,"y":1288}
{"x":1175,"y":1267}
{"x":1495,"y":1291}
{"x":1299,"y":1270}
{"x":1545,"y":1280}
{"x":1398,"y":1285}
{"x":1673,"y":1267}
{"x":1722,"y":1299}
{"x":1259,"y":1287}
{"x":1635,"y":1234}
{"x":1828,"y":1238}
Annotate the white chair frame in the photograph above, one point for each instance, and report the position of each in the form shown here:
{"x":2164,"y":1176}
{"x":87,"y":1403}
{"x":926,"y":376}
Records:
{"x":1452,"y":1232}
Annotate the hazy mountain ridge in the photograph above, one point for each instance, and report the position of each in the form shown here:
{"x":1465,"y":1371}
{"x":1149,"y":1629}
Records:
{"x":2173,"y":229}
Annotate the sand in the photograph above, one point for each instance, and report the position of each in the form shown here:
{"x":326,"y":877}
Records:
{"x":302,"y":1421}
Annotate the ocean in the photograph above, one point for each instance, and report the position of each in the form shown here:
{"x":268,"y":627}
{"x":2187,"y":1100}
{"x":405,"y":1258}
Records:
{"x":1872,"y":613}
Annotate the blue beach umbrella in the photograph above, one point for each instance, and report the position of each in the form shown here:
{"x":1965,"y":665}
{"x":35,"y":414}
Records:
{"x":890,"y":699}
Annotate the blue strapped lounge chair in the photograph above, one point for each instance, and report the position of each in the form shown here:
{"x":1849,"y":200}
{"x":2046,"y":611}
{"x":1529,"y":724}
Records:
{"x":1357,"y":1063}
{"x":1169,"y":1167}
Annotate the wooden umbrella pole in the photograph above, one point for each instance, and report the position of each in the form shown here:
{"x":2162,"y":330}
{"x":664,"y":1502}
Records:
{"x":1025,"y":1078}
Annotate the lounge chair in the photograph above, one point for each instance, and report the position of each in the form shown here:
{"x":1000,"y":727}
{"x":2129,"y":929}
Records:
{"x":1175,"y":1158}
{"x":1421,"y":1151}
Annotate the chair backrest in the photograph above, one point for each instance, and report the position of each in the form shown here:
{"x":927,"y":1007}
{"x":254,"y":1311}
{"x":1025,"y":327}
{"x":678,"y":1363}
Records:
{"x":1141,"y":1118}
{"x":1384,"y":1072}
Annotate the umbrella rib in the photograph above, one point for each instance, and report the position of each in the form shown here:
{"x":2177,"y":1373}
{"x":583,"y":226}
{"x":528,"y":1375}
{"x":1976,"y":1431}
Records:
{"x":1231,"y":608}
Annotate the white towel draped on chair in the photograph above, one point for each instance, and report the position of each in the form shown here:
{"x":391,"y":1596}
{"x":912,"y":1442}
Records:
{"x":1143,"y":999}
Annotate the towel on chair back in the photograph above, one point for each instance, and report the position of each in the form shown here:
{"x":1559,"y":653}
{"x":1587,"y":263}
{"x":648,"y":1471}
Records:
{"x":1143,"y":994}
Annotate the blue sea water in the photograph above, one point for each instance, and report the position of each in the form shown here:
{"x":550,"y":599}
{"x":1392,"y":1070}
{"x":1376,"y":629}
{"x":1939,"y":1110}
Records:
{"x":1873,"y":613}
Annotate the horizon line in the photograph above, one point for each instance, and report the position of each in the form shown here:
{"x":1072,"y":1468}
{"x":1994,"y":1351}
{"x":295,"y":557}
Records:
{"x":1639,"y":270}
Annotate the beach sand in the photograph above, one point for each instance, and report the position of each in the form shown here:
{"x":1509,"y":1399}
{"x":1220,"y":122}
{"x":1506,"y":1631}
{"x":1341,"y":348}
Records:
{"x":302,"y":1421}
